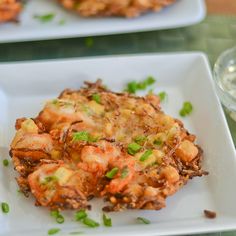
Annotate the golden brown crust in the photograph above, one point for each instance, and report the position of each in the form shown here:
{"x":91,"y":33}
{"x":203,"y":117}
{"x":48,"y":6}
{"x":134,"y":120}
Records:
{"x":9,"y":10}
{"x":127,"y":8}
{"x":64,"y":155}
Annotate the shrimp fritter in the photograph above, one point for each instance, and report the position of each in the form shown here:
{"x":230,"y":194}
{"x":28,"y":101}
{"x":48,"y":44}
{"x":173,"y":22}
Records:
{"x":9,"y":10}
{"x":96,"y":143}
{"x":127,"y":8}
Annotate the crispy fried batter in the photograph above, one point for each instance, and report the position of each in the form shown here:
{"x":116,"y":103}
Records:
{"x":9,"y":10}
{"x":64,"y":154}
{"x":127,"y":8}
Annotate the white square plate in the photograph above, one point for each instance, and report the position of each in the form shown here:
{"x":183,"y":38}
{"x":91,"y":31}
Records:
{"x":24,"y":88}
{"x":182,"y":13}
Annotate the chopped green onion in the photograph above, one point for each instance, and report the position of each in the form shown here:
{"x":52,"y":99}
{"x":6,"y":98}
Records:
{"x":62,"y":22}
{"x":89,"y":222}
{"x":60,"y":219}
{"x":49,"y":179}
{"x":143,"y":220}
{"x":45,"y":18}
{"x":132,"y":87}
{"x":53,"y":231}
{"x":145,"y":155}
{"x":110,"y":174}
{"x":84,"y":136}
{"x":89,"y":42}
{"x":186,"y":109}
{"x":54,"y":213}
{"x":96,"y":97}
{"x":150,"y":80}
{"x":142,"y":85}
{"x":162,"y":96}
{"x":5,"y":207}
{"x":79,"y":215}
{"x":107,"y":221}
{"x":124,"y":172}
{"x":140,"y":139}
{"x":5,"y":162}
{"x":81,"y":136}
{"x":158,"y":142}
{"x":133,"y":148}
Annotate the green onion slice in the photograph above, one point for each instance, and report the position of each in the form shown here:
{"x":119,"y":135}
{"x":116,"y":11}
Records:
{"x":5,"y":162}
{"x":133,"y":148}
{"x":145,"y":155}
{"x":90,"y":223}
{"x":5,"y":207}
{"x":144,"y":220}
{"x":110,"y":174}
{"x":53,"y":231}
{"x":162,"y":96}
{"x":79,"y":215}
{"x":96,"y":97}
{"x":107,"y":221}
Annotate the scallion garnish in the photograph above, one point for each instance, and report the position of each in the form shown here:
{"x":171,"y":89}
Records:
{"x":133,"y":86}
{"x":53,"y":231}
{"x":110,"y":174}
{"x":140,"y":139}
{"x":80,"y":215}
{"x":133,"y":148}
{"x":96,"y":97}
{"x":143,"y":220}
{"x":81,"y":136}
{"x":145,"y":155}
{"x":62,"y":22}
{"x":150,"y":80}
{"x":60,"y":219}
{"x":84,"y":136}
{"x":5,"y":162}
{"x":45,"y":18}
{"x":158,"y":142}
{"x":162,"y":95}
{"x":49,"y":179}
{"x":54,"y":213}
{"x":90,"y":223}
{"x":5,"y":207}
{"x":186,"y":109}
{"x":107,"y":221}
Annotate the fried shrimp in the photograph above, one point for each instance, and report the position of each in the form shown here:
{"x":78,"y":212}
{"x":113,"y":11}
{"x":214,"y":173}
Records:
{"x":94,"y":142}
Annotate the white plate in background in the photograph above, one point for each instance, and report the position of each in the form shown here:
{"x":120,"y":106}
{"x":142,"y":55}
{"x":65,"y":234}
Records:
{"x":181,"y":13}
{"x":24,"y":88}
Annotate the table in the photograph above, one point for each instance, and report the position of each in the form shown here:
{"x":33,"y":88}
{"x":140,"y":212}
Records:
{"x":212,"y":36}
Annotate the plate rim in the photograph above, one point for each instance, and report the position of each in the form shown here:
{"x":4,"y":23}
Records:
{"x":22,"y":37}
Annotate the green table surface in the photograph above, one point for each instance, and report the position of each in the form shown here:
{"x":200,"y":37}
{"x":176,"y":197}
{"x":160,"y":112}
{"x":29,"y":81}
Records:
{"x":212,"y":36}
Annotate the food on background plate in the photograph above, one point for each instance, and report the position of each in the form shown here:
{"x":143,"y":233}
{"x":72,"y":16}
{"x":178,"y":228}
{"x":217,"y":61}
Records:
{"x":93,"y":142}
{"x":127,"y":8}
{"x":9,"y":10}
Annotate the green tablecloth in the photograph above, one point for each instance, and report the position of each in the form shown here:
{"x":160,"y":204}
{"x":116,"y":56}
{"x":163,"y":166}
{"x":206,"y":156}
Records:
{"x":212,"y":36}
